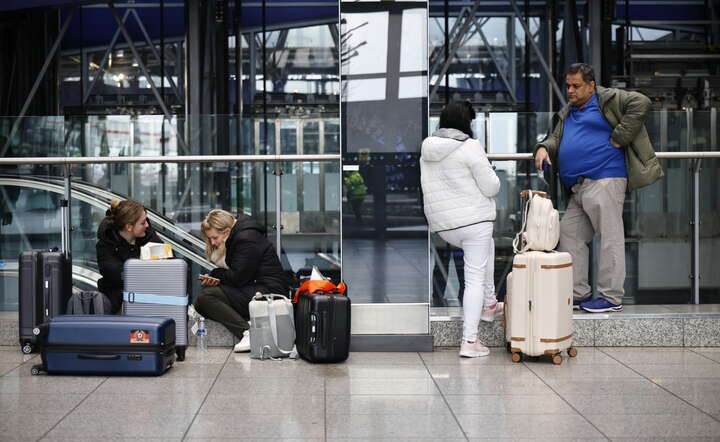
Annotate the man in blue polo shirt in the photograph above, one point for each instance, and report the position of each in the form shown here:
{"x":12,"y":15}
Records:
{"x":601,"y":149}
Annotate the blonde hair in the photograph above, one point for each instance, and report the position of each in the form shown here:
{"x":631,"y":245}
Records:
{"x":219,"y":220}
{"x":125,"y":212}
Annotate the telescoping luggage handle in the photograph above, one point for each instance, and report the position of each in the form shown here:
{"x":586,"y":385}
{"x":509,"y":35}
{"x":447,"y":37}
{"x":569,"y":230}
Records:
{"x":148,"y":298}
{"x":316,"y":286}
{"x":292,"y":353}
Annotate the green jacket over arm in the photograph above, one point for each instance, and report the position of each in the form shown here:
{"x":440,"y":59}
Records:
{"x":626,"y":112}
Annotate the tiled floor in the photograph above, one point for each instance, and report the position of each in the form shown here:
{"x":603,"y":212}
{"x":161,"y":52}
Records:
{"x":603,"y":394}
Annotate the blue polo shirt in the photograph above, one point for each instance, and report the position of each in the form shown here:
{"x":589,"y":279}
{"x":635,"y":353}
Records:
{"x":585,"y":148}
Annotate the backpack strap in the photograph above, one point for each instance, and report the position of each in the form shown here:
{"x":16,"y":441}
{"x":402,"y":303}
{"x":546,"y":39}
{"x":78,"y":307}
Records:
{"x":98,"y":303}
{"x":292,"y":353}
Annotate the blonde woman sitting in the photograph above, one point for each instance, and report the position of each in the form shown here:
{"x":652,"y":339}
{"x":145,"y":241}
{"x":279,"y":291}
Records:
{"x":246,"y":262}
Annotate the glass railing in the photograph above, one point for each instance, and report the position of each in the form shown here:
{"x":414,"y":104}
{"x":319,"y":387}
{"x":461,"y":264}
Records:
{"x":659,"y":234}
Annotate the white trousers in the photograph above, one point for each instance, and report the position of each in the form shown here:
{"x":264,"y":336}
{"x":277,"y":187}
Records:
{"x":479,"y":255}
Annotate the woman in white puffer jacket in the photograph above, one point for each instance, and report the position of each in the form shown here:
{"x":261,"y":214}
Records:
{"x":459,"y":186}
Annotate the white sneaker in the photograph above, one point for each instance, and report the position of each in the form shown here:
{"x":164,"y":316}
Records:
{"x":489,"y":313}
{"x":473,"y":349}
{"x":244,"y":345}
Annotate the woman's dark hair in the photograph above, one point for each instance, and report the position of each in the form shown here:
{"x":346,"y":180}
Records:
{"x":458,"y":115}
{"x":125,"y":212}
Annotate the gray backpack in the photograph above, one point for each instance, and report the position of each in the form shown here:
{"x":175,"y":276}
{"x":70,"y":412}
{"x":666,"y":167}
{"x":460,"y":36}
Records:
{"x":88,"y":303}
{"x":272,"y":327}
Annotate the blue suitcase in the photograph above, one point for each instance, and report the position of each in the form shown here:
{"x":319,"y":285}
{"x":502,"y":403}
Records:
{"x":97,"y":344}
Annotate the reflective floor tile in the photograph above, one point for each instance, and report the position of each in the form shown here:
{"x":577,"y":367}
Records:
{"x":26,"y":426}
{"x":11,"y":357}
{"x":495,"y":404}
{"x":645,"y":355}
{"x":514,"y":371}
{"x":270,"y":426}
{"x":37,"y":403}
{"x":239,"y":367}
{"x":661,"y":403}
{"x":114,"y":404}
{"x":374,"y":358}
{"x":180,"y":370}
{"x":678,"y":370}
{"x":450,"y":356}
{"x":139,"y":424}
{"x":518,"y":425}
{"x":710,"y":353}
{"x":270,"y":386}
{"x":45,"y":384}
{"x":209,"y":356}
{"x":697,"y":386}
{"x":603,"y":387}
{"x":376,"y":371}
{"x":386,"y":404}
{"x":398,"y":427}
{"x":110,"y":439}
{"x":595,"y":371}
{"x":590,"y":356}
{"x":511,"y":386}
{"x":263,"y":403}
{"x":673,"y":426}
{"x":381,"y":386}
{"x":168,"y":387}
{"x":7,"y":367}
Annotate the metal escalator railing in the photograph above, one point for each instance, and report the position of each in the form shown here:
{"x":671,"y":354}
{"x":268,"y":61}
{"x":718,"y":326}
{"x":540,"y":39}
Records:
{"x":182,"y":241}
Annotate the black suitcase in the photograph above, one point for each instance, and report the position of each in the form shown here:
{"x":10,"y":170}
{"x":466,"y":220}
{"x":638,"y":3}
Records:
{"x":112,"y":344}
{"x":322,"y":326}
{"x":45,"y":285}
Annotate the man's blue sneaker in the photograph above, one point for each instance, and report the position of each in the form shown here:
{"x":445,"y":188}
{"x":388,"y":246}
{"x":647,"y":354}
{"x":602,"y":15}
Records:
{"x":577,"y":302}
{"x":599,"y":305}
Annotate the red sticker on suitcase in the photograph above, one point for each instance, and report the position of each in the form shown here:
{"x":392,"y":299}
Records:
{"x":139,"y":337}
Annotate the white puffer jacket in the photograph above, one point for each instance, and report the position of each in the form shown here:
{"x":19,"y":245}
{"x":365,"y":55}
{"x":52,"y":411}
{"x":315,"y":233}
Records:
{"x":458,"y":182}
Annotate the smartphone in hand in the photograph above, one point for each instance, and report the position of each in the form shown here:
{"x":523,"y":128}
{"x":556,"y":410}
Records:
{"x":208,"y":279}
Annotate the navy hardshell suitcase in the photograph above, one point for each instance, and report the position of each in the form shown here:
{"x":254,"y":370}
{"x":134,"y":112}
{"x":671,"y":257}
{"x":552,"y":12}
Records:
{"x":322,"y":325}
{"x":106,"y":344}
{"x":45,"y":285}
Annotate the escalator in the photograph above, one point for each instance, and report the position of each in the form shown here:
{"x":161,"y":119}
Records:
{"x":30,"y":219}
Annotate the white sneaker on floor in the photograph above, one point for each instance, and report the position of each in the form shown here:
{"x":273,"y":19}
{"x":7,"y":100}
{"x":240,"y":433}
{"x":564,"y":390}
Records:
{"x":489,"y":313}
{"x":473,"y":349}
{"x":244,"y":345}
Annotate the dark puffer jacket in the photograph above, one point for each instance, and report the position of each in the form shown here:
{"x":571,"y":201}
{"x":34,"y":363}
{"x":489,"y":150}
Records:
{"x":253,"y":265}
{"x":112,"y":252}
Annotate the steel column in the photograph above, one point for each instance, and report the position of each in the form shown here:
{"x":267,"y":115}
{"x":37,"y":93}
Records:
{"x":155,"y":91}
{"x":39,"y":78}
{"x":539,"y":54}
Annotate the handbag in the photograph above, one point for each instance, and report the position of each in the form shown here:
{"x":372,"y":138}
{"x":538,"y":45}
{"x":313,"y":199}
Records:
{"x":541,"y":224}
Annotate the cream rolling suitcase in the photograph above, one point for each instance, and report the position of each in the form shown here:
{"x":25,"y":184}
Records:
{"x":538,"y":306}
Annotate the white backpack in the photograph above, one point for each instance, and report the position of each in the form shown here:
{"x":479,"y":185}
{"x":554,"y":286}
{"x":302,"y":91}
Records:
{"x":541,"y":224}
{"x":272,"y":327}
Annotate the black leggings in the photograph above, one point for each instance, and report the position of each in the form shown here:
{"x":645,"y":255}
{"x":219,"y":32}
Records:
{"x":214,"y":304}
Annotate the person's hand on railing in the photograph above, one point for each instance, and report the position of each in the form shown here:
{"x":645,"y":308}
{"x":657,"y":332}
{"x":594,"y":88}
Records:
{"x":542,"y":156}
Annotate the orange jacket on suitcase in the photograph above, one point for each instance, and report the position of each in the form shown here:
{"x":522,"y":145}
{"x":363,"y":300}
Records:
{"x":538,"y":305}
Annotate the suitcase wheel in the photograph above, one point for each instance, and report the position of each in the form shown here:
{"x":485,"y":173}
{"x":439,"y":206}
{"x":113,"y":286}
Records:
{"x":557,"y":359}
{"x":572,"y":352}
{"x":35,"y":370}
{"x":516,"y":357}
{"x":27,"y":348}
